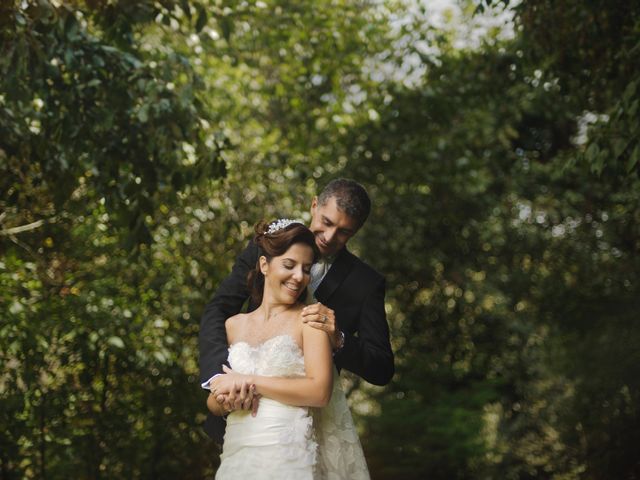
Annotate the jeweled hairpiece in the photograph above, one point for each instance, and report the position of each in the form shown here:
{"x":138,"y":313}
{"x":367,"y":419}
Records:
{"x":279,"y":224}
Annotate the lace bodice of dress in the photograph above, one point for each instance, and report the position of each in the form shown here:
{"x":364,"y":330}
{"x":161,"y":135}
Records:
{"x":278,"y":356}
{"x":284,"y":432}
{"x":277,"y":443}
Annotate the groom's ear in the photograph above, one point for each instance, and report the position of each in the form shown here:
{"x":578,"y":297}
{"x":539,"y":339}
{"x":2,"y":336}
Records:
{"x":314,"y":203}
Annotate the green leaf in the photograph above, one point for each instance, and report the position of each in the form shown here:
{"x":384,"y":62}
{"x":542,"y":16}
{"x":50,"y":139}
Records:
{"x":633,"y":109}
{"x":186,"y":8}
{"x":202,"y":18}
{"x":592,"y":152}
{"x":115,"y":342}
{"x":633,"y":158}
{"x":132,"y":60}
{"x":143,"y":113}
{"x":226,"y":25}
{"x":619,"y":146}
{"x":160,"y":356}
{"x":71,"y":27}
{"x":630,"y":91}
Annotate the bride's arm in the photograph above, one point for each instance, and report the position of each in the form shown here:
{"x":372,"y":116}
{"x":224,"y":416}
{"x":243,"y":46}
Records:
{"x":221,"y":401}
{"x":312,"y":390}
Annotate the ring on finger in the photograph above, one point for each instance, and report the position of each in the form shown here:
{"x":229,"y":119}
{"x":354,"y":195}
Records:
{"x":324,"y":318}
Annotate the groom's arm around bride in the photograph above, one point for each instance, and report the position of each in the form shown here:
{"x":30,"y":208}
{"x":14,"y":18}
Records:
{"x":352,"y":290}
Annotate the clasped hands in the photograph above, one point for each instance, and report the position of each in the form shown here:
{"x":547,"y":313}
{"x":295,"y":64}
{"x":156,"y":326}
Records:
{"x":233,"y":391}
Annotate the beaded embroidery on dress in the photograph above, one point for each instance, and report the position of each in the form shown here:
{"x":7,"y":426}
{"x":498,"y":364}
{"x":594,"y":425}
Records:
{"x":280,"y":441}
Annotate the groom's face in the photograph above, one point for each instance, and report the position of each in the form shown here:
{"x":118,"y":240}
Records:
{"x":332,"y":227}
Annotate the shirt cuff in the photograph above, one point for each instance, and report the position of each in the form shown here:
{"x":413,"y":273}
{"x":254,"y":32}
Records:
{"x":340,"y":343}
{"x":207,"y":385}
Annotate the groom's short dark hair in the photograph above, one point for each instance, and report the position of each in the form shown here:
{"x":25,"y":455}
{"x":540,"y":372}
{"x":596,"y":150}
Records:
{"x":351,"y":198}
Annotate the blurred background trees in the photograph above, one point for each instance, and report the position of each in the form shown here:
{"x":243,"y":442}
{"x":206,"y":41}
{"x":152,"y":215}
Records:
{"x":140,"y":141}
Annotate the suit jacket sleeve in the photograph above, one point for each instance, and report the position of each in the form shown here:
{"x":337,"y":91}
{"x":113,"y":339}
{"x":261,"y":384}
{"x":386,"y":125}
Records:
{"x":369,"y":354}
{"x":227,"y":301}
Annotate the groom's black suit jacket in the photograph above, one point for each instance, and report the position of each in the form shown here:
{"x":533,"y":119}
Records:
{"x":351,"y":288}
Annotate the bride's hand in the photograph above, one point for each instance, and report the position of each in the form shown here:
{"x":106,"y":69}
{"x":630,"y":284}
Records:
{"x":237,"y":389}
{"x":221,"y":384}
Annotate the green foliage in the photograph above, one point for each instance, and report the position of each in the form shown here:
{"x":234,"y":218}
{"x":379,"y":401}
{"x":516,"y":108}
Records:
{"x":100,"y":127}
{"x":592,"y":50}
{"x":110,"y":255}
{"x":510,"y":267}
{"x":140,"y":141}
{"x":90,"y":112}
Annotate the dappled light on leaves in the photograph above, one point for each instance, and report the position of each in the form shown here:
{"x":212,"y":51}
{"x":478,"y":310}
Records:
{"x":141,"y":141}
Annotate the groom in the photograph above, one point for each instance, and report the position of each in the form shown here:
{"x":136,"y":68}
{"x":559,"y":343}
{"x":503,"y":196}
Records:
{"x":350,"y":296}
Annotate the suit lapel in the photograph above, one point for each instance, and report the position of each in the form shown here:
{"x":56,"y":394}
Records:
{"x":339,"y":270}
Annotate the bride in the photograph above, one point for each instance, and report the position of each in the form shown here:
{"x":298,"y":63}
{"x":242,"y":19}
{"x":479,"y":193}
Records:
{"x":289,"y":365}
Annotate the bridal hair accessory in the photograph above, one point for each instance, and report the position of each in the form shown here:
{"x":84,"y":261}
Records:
{"x":279,"y":224}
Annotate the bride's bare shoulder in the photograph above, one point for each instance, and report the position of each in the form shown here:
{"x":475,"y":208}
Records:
{"x":235,"y":325}
{"x":238,"y":318}
{"x":294,"y":319}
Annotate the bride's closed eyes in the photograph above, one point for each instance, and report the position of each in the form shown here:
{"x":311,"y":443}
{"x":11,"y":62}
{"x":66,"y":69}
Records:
{"x":291,"y":264}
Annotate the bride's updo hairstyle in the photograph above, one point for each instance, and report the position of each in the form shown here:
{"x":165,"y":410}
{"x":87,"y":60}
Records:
{"x":274,"y":239}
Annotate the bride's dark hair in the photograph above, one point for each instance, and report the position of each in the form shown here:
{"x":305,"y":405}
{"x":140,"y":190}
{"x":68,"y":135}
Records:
{"x":273,"y":245}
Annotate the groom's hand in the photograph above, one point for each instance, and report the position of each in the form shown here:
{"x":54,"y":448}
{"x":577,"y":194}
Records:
{"x":323,"y":318}
{"x":255,"y":402}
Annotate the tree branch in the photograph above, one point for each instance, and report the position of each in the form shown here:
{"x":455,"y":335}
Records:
{"x":25,"y":228}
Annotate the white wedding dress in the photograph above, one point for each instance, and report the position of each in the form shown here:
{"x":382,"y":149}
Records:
{"x":283,"y":442}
